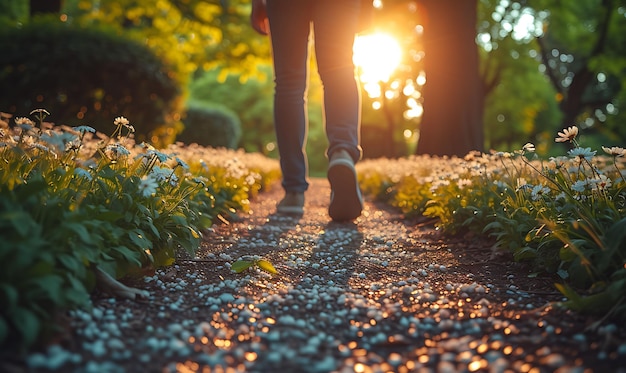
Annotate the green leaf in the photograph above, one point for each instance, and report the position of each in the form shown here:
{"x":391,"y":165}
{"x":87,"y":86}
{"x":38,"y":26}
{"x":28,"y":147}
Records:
{"x":71,"y":263}
{"x":495,"y":225}
{"x":22,"y":222}
{"x":597,"y":303}
{"x":80,"y":230}
{"x":266,"y":266}
{"x":568,"y":292}
{"x":107,"y":173}
{"x":137,"y":236}
{"x":525,"y":252}
{"x":194,"y":233}
{"x":76,"y":294}
{"x":614,"y":239}
{"x":567,"y":254}
{"x":110,"y":216}
{"x":180,"y":220}
{"x":127,"y":255}
{"x":205,"y":221}
{"x":27,"y":324}
{"x":241,"y":265}
{"x":51,"y":286}
{"x":39,"y":269}
{"x":9,"y":296}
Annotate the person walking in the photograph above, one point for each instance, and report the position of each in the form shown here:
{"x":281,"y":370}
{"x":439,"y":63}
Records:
{"x":334,"y":25}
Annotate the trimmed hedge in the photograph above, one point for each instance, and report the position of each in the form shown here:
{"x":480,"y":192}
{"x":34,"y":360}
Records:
{"x":213,"y":126}
{"x":84,"y":75}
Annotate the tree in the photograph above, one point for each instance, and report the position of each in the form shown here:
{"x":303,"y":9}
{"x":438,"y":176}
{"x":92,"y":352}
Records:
{"x":453,"y":98}
{"x":44,"y":6}
{"x":519,"y":100}
{"x":194,"y":35}
{"x":582,"y":55}
{"x":548,"y":55}
{"x":535,"y":56}
{"x":582,"y":50}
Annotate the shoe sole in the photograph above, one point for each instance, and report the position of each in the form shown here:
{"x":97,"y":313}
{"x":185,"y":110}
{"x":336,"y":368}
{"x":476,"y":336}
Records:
{"x":346,"y":203}
{"x":290,"y":210}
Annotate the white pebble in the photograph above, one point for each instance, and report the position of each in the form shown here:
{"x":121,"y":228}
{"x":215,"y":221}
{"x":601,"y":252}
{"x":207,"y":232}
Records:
{"x":115,"y":344}
{"x":97,"y":313}
{"x":98,"y":349}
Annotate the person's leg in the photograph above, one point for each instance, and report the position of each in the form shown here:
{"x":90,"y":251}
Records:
{"x":335,"y":24}
{"x":289,"y":31}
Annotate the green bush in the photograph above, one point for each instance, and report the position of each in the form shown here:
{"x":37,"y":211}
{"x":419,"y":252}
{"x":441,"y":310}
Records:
{"x":84,"y":75}
{"x":211,"y":126}
{"x":74,"y":205}
{"x":61,"y":219}
{"x":251,"y":99}
{"x":12,"y":11}
{"x":44,"y":267}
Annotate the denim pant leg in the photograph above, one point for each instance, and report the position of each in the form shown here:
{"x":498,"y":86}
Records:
{"x":335,"y":25}
{"x":289,"y":31}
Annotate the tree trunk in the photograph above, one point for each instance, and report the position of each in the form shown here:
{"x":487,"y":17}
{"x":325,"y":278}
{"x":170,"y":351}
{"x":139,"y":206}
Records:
{"x":453,"y":98}
{"x":573,"y":104}
{"x":44,"y":6}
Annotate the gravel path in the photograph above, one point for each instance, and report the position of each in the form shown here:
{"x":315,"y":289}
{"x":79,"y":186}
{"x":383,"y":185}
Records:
{"x":381,"y":295}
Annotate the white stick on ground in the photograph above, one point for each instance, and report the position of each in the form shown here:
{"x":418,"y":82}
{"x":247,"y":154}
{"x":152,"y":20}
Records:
{"x":108,"y":284}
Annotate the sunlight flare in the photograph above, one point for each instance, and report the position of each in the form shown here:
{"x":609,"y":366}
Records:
{"x":376,"y":56}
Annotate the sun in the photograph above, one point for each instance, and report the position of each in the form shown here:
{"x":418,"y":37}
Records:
{"x":376,"y":56}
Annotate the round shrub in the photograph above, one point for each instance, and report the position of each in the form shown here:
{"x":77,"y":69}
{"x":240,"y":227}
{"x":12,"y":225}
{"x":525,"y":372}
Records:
{"x":84,"y":75}
{"x":211,"y":126}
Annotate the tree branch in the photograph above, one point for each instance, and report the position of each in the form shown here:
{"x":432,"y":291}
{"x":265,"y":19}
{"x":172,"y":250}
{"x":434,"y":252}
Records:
{"x":491,"y":82}
{"x":549,"y":71}
{"x":595,"y":104}
{"x":603,"y":28}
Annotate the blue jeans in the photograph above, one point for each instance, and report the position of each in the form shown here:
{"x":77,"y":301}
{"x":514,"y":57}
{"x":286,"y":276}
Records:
{"x":335,"y":24}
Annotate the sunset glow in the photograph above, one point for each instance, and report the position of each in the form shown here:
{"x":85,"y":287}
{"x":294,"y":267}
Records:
{"x":376,"y":56}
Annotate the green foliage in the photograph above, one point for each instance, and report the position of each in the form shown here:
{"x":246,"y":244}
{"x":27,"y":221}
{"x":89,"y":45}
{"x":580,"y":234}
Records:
{"x":565,"y":215}
{"x":251,"y":99}
{"x":584,"y":43}
{"x":376,"y":182}
{"x":12,"y":10}
{"x":192,"y":35}
{"x":196,"y":35}
{"x":564,"y":61}
{"x":412,"y":197}
{"x":210,"y":126}
{"x":85,"y":74}
{"x":71,"y":201}
{"x":511,"y":118}
{"x":40,"y":273}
